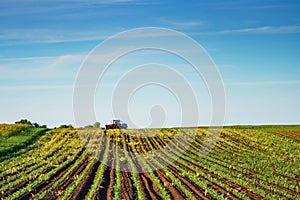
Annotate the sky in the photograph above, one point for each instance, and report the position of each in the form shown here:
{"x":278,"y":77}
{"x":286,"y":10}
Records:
{"x":254,"y":44}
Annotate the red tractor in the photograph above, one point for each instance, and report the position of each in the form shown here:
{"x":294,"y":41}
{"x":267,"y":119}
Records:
{"x":117,"y":124}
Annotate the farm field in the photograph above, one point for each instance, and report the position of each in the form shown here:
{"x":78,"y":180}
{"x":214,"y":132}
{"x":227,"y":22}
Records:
{"x":247,"y":162}
{"x":15,"y":137}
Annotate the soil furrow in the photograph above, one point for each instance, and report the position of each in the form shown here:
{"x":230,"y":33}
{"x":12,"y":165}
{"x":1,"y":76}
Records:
{"x":28,"y":166}
{"x":150,"y":189}
{"x":127,"y":188}
{"x":215,"y":186}
{"x":249,"y":175}
{"x":91,"y":174}
{"x":47,"y":183}
{"x":105,"y":190}
{"x":198,"y":192}
{"x":24,"y":183}
{"x":83,"y":187}
{"x":174,"y":192}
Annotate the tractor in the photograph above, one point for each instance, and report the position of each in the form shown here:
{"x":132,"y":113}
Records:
{"x":117,"y":124}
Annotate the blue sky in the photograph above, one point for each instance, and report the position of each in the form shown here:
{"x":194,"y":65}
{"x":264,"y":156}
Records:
{"x":255,"y":45}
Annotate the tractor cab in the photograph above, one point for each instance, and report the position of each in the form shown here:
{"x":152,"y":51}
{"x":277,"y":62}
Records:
{"x":116,"y":121}
{"x":117,"y":124}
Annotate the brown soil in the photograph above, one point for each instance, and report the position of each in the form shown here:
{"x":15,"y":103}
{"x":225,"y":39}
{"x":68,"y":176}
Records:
{"x":238,"y":187}
{"x":149,"y":188}
{"x":128,"y":191}
{"x":105,"y":190}
{"x":250,"y":175}
{"x":83,"y":188}
{"x":42,"y":184}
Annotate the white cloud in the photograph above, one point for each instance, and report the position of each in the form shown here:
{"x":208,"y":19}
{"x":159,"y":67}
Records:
{"x":263,"y":83}
{"x":39,"y":68}
{"x":181,"y":24}
{"x":255,"y":30}
{"x":20,"y":7}
{"x":35,"y":87}
{"x":10,"y":37}
{"x":45,"y":60}
{"x":28,"y":36}
{"x":266,"y":30}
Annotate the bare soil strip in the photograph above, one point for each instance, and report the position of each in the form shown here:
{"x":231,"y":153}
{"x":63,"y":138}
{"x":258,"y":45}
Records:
{"x":127,"y":188}
{"x":150,"y":189}
{"x":186,"y":163}
{"x":105,"y":190}
{"x":199,"y":193}
{"x":249,"y":175}
{"x":45,"y":184}
{"x":23,"y":184}
{"x":213,"y":185}
{"x":174,"y":191}
{"x":236,"y":186}
{"x":83,"y":188}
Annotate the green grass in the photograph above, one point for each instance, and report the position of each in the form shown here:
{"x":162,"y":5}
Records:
{"x":7,"y":130}
{"x":14,"y":142}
